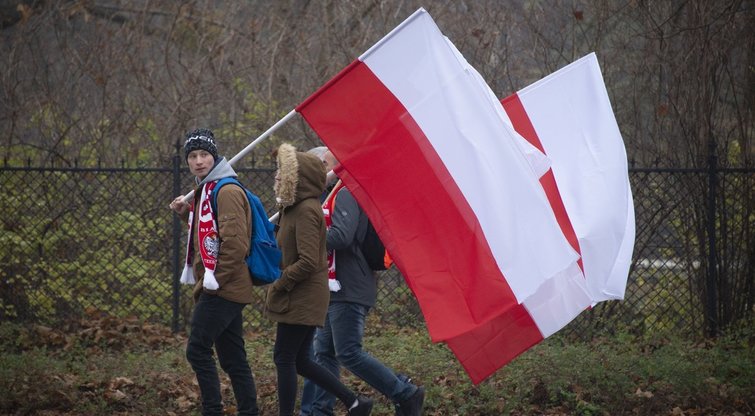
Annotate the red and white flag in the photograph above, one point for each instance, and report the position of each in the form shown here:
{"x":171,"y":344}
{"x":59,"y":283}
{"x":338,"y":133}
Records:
{"x":454,"y":192}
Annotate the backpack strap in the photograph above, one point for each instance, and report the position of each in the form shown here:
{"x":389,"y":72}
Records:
{"x":216,"y":191}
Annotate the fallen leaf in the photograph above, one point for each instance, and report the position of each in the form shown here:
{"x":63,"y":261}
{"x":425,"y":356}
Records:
{"x":119,"y":382}
{"x":640,"y":393}
{"x":115,"y":396}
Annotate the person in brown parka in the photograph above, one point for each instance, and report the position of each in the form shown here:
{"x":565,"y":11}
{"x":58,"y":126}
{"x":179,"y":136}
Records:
{"x":298,"y":301}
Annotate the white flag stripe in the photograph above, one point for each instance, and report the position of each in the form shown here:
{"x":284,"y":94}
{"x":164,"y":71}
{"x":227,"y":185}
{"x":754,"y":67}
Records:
{"x":558,"y":301}
{"x":538,"y":161}
{"x":478,"y":149}
{"x":616,"y":283}
{"x":572,"y":115}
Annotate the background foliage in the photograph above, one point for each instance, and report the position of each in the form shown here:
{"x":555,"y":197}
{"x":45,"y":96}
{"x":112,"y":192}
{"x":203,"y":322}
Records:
{"x":103,"y":238}
{"x":121,"y":80}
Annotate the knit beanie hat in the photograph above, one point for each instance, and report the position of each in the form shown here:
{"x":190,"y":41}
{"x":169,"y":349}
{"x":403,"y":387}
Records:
{"x":200,"y":139}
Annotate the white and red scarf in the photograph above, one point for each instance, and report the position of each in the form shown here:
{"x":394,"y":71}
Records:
{"x":209,"y":243}
{"x":327,"y":209}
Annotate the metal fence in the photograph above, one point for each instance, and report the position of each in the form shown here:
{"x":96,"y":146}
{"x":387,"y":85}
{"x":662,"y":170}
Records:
{"x":77,"y":240}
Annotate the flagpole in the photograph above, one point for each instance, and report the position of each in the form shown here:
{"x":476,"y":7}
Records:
{"x":264,"y":135}
{"x":251,"y":145}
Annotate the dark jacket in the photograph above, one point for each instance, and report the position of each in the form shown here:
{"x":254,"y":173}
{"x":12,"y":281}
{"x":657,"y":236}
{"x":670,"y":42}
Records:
{"x":301,"y":295}
{"x":235,"y":232}
{"x":349,"y":226}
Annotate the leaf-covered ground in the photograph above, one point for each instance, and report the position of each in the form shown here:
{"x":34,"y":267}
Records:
{"x":107,"y":366}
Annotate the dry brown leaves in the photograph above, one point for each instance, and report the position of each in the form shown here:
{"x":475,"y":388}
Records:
{"x":98,"y":330}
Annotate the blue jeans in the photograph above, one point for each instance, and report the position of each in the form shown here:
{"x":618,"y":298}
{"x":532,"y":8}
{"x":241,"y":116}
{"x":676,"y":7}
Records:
{"x":217,"y":321}
{"x":340,"y":342}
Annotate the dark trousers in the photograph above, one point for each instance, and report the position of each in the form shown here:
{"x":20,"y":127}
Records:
{"x":292,"y":355}
{"x":217,"y":321}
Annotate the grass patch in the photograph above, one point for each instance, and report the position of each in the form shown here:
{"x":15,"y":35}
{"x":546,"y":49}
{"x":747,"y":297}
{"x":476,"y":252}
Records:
{"x":71,"y":372}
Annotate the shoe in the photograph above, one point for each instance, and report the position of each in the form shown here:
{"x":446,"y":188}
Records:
{"x":404,"y":379}
{"x":413,"y":405}
{"x":363,"y":407}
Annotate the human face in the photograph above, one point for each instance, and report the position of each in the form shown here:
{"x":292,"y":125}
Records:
{"x":329,"y":161}
{"x":200,"y":162}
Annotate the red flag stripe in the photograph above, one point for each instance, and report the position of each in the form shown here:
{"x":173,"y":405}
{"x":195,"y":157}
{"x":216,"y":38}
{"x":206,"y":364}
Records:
{"x":523,"y":125}
{"x":492,"y":345}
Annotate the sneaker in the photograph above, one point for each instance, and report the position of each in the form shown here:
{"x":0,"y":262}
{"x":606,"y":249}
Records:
{"x":404,"y":379}
{"x":363,"y":407}
{"x":413,"y":405}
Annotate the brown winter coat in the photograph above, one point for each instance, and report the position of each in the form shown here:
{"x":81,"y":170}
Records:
{"x":301,"y":295}
{"x":235,"y":232}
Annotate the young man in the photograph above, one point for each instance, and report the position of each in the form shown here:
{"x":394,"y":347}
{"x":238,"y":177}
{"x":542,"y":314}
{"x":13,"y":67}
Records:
{"x":353,"y":293}
{"x":218,"y":244}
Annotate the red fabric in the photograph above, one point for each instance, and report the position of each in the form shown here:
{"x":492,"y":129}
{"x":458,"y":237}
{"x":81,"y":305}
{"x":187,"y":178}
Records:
{"x":207,"y":231}
{"x":491,"y":346}
{"x":327,"y":210}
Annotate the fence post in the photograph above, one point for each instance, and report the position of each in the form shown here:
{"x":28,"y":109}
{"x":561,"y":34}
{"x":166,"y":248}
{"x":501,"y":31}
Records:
{"x":176,"y":238}
{"x":711,"y":315}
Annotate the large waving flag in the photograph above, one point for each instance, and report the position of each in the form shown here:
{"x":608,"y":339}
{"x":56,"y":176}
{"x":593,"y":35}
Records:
{"x":454,"y":193}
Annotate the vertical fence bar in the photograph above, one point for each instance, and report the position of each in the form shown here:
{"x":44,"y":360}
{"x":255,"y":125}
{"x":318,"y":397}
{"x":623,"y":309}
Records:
{"x":711,"y":314}
{"x":176,"y":239}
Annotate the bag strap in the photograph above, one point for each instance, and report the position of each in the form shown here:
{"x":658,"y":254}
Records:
{"x":216,"y":191}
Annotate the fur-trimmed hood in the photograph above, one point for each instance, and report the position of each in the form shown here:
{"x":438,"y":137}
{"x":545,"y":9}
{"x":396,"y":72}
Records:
{"x":300,"y":176}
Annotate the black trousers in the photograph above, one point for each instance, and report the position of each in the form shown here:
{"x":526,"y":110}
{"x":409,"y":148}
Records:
{"x":217,"y":321}
{"x":292,"y":356}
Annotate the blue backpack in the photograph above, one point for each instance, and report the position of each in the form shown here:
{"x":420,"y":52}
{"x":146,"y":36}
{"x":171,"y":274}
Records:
{"x":264,"y":255}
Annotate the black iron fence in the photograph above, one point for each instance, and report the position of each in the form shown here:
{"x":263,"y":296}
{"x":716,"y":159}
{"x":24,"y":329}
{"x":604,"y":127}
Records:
{"x":76,"y":240}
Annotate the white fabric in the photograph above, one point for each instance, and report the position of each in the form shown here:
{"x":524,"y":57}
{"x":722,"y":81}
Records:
{"x":572,"y":115}
{"x":558,"y":301}
{"x":334,"y":285}
{"x":187,"y":276}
